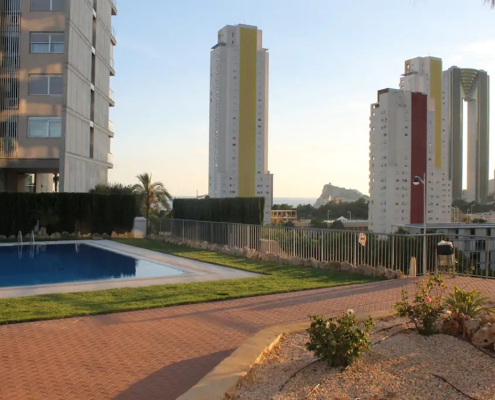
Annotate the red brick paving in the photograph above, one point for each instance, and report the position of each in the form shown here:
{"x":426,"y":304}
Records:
{"x":160,"y":353}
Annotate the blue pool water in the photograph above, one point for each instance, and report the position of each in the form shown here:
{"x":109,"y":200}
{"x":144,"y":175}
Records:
{"x":65,"y":263}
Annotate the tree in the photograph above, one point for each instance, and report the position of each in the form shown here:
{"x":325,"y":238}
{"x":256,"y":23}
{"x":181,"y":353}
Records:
{"x":153,"y":194}
{"x":112,"y":188}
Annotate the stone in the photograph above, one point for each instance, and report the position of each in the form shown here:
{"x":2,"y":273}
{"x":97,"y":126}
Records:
{"x":204,"y":245}
{"x":450,"y":327}
{"x":398,"y":274}
{"x":389,"y":274}
{"x":55,"y":236}
{"x":322,"y":265}
{"x":294,"y":261}
{"x":106,"y":236}
{"x":307,"y":262}
{"x":42,"y":234}
{"x":471,"y":326}
{"x":336,"y":266}
{"x":487,"y":319}
{"x":485,"y":337}
{"x":116,"y":235}
{"x":366,"y":270}
{"x":12,"y":237}
{"x":380,"y":271}
{"x":86,"y":235}
{"x":65,"y":235}
{"x":2,"y":237}
{"x":354,"y":270}
{"x":252,"y":255}
{"x":313,"y":263}
{"x":345,"y":266}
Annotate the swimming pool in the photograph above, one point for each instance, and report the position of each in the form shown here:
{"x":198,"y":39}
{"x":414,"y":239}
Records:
{"x":47,"y":264}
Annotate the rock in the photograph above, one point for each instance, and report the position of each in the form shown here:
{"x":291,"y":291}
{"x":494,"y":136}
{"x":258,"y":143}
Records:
{"x":389,"y":274}
{"x":204,"y":245}
{"x":322,"y":265}
{"x":106,"y":236}
{"x":471,"y":326}
{"x":114,"y":234}
{"x":65,"y":235}
{"x":252,"y":255}
{"x":224,"y":249}
{"x":2,"y":237}
{"x":485,"y":337}
{"x":366,"y":270}
{"x":450,"y":327}
{"x":307,"y":262}
{"x":55,"y":236}
{"x":283,"y":260}
{"x":294,"y":261}
{"x":12,"y":237}
{"x":345,"y":266}
{"x":42,"y":234}
{"x":398,"y":274}
{"x":313,"y":263}
{"x":354,"y":270}
{"x":86,"y":235}
{"x":380,"y":271}
{"x":336,"y":266}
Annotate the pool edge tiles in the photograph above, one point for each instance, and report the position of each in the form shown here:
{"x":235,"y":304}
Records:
{"x":192,"y":271}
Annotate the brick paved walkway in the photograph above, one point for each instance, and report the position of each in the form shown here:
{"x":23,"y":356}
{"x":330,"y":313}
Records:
{"x":159,"y":354}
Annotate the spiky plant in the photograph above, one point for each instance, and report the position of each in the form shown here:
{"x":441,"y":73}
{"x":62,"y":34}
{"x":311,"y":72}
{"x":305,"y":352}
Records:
{"x":468,"y":302}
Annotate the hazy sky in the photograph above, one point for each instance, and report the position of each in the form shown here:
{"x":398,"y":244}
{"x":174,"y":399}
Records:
{"x":327,"y":60}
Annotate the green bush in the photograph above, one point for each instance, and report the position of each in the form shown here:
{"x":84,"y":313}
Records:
{"x":249,"y":210}
{"x":426,"y":310}
{"x":468,"y":302}
{"x":67,"y":212}
{"x":339,"y":341}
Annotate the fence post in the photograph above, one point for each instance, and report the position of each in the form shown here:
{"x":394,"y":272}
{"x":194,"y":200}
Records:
{"x":487,"y":257}
{"x":183,"y":229}
{"x":392,"y":254}
{"x":355,"y":250}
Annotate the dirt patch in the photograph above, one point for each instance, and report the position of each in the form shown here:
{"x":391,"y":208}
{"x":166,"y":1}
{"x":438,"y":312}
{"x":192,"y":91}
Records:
{"x":403,"y":366}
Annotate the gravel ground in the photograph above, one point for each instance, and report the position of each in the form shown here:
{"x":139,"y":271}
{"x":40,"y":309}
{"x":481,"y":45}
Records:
{"x":399,"y":367}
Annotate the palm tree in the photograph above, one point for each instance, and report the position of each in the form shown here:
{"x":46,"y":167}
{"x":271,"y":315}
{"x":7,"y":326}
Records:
{"x":153,"y":194}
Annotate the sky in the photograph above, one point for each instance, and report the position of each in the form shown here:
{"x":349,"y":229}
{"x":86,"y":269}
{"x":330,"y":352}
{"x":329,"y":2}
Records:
{"x":328,"y":58}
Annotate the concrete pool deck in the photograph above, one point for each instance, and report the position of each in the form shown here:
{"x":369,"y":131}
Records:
{"x":194,"y":271}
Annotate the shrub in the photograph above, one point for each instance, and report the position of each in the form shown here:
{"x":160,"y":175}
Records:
{"x":339,"y":341}
{"x":427,"y":307}
{"x":468,"y":302}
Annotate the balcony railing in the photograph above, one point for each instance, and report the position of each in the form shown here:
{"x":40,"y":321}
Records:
{"x":114,"y":7}
{"x":112,"y":66}
{"x":110,"y":126}
{"x":110,"y":158}
{"x":8,"y":147}
{"x":113,"y":35}
{"x":111,"y":95}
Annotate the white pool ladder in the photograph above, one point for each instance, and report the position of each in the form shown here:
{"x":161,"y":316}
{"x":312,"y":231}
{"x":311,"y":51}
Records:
{"x":32,"y":238}
{"x":19,"y":237}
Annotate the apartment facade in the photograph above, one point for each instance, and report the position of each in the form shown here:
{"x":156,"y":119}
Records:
{"x":471,"y":86}
{"x":57,"y":60}
{"x":238,"y":151}
{"x":407,"y":140}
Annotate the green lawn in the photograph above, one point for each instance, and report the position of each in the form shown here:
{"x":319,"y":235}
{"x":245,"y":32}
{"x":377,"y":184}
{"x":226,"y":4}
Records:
{"x":275,"y":279}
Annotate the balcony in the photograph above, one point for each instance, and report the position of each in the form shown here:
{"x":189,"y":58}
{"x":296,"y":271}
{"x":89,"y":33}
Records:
{"x":114,"y":6}
{"x":111,"y":95}
{"x":8,"y":147}
{"x":112,"y":67}
{"x":110,"y":126}
{"x":113,"y":36}
{"x":110,"y":159}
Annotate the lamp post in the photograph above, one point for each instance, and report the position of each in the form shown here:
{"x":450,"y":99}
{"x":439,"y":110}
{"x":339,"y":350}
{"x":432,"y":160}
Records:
{"x":416,"y":181}
{"x":350,"y":215}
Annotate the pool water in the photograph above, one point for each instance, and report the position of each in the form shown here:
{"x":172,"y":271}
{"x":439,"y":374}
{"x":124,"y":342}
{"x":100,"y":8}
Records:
{"x":40,"y":264}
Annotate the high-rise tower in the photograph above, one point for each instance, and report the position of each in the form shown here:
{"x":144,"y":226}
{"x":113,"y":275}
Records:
{"x":238,"y":158}
{"x":56,"y":63}
{"x":472,"y":86}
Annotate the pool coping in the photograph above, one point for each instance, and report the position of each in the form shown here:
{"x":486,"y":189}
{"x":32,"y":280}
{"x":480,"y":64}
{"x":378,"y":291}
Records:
{"x":193,"y":271}
{"x":222,"y":381}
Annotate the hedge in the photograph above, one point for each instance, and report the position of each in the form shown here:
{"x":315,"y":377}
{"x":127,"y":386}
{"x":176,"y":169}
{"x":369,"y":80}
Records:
{"x":67,"y":212}
{"x":245,"y":210}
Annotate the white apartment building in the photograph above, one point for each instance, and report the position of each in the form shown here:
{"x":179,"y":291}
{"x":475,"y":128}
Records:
{"x":406,"y":140}
{"x":238,"y":158}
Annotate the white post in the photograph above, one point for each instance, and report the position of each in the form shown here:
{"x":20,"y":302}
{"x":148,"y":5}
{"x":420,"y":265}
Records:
{"x":424,"y":224}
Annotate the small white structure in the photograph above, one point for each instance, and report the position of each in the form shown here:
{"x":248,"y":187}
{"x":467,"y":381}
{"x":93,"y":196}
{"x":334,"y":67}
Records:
{"x":139,"y":228}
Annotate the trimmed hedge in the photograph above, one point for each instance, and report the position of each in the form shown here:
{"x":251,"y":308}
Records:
{"x":245,"y":210}
{"x":67,"y":212}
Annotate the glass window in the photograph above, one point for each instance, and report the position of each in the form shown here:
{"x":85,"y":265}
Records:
{"x":47,"y":42}
{"x":51,"y":85}
{"x":47,"y":5}
{"x":44,"y":127}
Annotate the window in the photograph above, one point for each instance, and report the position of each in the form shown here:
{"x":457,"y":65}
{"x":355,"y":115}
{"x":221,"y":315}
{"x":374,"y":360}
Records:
{"x":47,"y":5}
{"x":42,"y":42}
{"x":45,"y":127}
{"x":51,"y":85}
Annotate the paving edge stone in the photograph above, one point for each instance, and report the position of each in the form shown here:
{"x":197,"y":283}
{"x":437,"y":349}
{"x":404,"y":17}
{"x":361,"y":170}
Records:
{"x":226,"y":375}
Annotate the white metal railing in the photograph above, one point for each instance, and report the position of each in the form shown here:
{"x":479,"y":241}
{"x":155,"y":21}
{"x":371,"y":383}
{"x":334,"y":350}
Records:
{"x":110,"y":126}
{"x":113,"y":33}
{"x":112,"y":63}
{"x":114,"y":4}
{"x":109,"y":158}
{"x":475,"y":255}
{"x":111,"y":94}
{"x":19,"y":237}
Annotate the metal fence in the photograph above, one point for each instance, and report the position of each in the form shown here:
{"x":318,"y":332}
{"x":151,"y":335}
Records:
{"x":475,"y":255}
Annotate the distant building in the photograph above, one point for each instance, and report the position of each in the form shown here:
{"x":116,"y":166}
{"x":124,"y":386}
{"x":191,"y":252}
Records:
{"x":56,"y":64}
{"x":238,"y":159}
{"x":407,"y":140}
{"x":472,"y":86}
{"x":283,"y":216}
